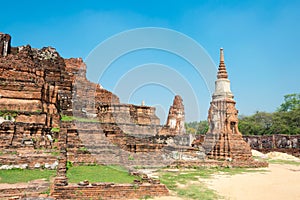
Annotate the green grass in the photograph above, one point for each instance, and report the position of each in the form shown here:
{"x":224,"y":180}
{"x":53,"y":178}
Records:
{"x":277,"y":161}
{"x":8,"y":152}
{"x":196,"y":190}
{"x":191,"y":191}
{"x":4,"y":113}
{"x":72,"y":118}
{"x":288,"y":162}
{"x":99,"y":173}
{"x":24,"y":175}
{"x":55,"y":153}
{"x":83,"y":149}
{"x":55,"y":129}
{"x":67,"y":118}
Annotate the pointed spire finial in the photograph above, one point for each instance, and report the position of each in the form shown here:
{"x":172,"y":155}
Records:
{"x":222,"y":73}
{"x":221,"y":55}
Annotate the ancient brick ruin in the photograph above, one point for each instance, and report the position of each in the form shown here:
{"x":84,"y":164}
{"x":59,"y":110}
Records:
{"x":223,"y":141}
{"x":85,"y":190}
{"x":50,"y":114}
{"x":175,"y":120}
{"x":38,"y":88}
{"x":30,"y":80}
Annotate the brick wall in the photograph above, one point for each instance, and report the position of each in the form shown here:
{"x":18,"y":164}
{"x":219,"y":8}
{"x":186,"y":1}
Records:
{"x":282,"y":143}
{"x":109,"y":191}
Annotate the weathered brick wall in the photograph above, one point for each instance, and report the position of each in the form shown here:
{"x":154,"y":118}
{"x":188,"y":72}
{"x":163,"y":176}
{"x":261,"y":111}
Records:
{"x":29,"y":83}
{"x":29,"y":161}
{"x":24,"y":190}
{"x":19,"y":134}
{"x":282,"y":143}
{"x":62,"y":190}
{"x":110,"y":191}
{"x":131,"y":115}
{"x":92,"y":142}
{"x":107,"y":142}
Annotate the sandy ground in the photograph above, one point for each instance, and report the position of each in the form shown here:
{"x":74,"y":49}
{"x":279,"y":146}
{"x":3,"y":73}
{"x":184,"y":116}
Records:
{"x":168,"y":198}
{"x":279,"y":182}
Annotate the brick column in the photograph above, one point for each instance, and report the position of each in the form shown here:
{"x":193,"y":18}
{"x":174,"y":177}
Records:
{"x":4,"y":44}
{"x":61,"y":178}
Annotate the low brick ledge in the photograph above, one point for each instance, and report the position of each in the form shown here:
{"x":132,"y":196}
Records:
{"x":109,"y":191}
{"x":215,"y":163}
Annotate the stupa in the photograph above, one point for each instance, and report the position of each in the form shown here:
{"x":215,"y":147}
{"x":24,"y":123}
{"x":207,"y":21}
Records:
{"x":223,"y":141}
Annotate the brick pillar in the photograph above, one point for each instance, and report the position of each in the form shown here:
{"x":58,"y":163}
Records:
{"x":61,"y":178}
{"x":4,"y":44}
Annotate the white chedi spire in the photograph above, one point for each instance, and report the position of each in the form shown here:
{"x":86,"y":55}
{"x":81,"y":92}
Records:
{"x":222,"y":84}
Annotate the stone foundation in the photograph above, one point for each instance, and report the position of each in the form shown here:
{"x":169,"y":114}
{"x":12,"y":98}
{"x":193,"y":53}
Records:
{"x":32,"y":189}
{"x":29,"y":161}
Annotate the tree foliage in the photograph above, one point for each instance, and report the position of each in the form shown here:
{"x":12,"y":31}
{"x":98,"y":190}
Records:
{"x":291,"y":102}
{"x":196,"y":127}
{"x":262,"y":123}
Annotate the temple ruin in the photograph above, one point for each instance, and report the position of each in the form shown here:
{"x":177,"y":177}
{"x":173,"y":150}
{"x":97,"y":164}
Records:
{"x":175,"y":120}
{"x":223,"y":141}
{"x":48,"y":107}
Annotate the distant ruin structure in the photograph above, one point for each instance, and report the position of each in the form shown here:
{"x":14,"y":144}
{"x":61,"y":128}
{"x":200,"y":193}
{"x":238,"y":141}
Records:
{"x":176,"y":118}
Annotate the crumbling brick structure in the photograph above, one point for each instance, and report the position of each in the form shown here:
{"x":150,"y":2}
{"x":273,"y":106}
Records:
{"x":175,"y":120}
{"x":223,"y":139}
{"x":38,"y":87}
{"x":61,"y":189}
{"x":29,"y":84}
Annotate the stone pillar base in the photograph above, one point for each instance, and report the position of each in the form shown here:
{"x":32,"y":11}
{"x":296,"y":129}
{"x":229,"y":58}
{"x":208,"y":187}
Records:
{"x":61,"y":181}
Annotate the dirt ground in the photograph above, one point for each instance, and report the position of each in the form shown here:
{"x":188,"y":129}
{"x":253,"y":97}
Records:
{"x":279,"y":182}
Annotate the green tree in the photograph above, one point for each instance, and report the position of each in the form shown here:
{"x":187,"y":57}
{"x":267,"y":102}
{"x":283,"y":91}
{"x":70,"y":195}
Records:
{"x":291,"y":102}
{"x":258,"y":124}
{"x":286,"y":120}
{"x":196,"y":127}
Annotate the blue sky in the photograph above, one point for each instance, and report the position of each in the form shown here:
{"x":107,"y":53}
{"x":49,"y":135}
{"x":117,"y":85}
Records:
{"x":260,"y":39}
